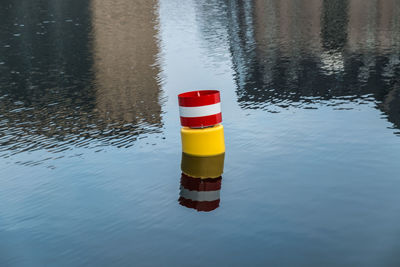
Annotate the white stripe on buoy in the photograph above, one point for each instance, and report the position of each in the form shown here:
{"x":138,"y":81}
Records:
{"x":200,"y":195}
{"x":191,"y":112}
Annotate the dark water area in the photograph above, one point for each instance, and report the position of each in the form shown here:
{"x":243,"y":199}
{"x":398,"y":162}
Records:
{"x":90,"y":149}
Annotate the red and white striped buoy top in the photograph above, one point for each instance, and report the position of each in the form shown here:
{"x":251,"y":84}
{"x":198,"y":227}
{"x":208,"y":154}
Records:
{"x":200,"y":108}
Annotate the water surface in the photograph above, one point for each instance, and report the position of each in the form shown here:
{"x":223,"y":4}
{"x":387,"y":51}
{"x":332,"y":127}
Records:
{"x":89,"y":132}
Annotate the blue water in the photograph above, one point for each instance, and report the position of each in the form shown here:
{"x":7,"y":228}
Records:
{"x":89,"y":132}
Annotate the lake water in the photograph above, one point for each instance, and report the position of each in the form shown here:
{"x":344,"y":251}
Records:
{"x":90,"y":148}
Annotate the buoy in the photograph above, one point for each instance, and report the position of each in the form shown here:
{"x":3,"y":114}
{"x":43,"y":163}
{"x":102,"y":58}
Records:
{"x":200,"y":113}
{"x":200,"y":194}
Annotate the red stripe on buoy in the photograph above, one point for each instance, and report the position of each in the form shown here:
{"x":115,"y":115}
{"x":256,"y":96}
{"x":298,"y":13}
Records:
{"x":201,"y":121}
{"x":197,"y":184}
{"x":199,"y":98}
{"x":199,"y":205}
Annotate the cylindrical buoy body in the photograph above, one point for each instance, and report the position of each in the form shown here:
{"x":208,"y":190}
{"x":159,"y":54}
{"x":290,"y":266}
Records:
{"x":200,"y":108}
{"x":203,"y":142}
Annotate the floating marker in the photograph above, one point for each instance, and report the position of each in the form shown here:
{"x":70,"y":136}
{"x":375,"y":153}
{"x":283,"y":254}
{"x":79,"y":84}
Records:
{"x":200,"y":112}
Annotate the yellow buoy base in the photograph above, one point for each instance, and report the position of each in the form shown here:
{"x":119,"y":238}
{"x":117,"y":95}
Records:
{"x":203,"y":142}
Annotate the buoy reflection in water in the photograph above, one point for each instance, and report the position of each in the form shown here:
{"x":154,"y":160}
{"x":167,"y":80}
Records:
{"x":200,"y":194}
{"x":201,"y":181}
